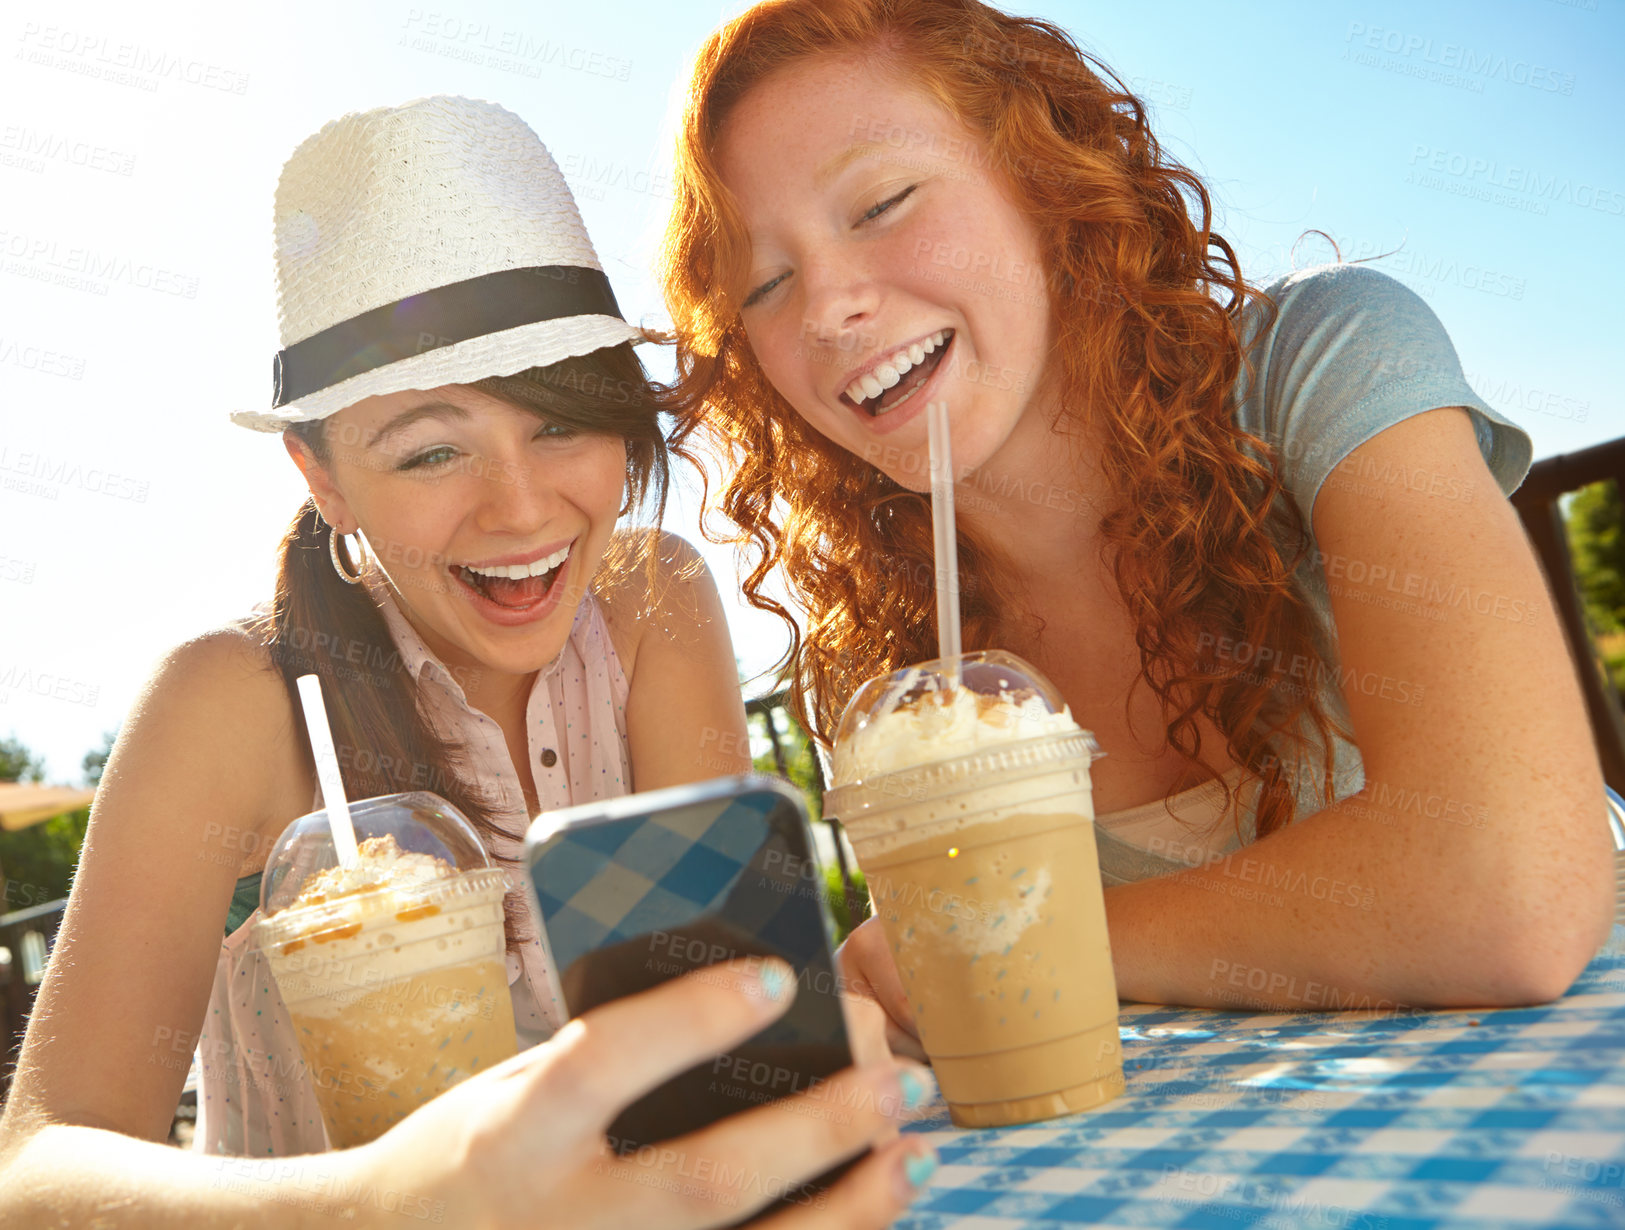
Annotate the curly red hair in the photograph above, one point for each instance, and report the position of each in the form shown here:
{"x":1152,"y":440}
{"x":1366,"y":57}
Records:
{"x":1146,"y":301}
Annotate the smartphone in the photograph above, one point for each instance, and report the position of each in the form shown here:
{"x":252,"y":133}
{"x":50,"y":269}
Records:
{"x":641,"y":889}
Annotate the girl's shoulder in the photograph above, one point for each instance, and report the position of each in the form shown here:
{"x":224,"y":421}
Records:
{"x":218,"y":701}
{"x":1301,"y":302}
{"x":1340,"y":353}
{"x":652,"y":580}
{"x":229,"y":664}
{"x":1320,"y":342}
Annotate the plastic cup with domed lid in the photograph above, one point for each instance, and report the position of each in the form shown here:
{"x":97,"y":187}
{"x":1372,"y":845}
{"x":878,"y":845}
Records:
{"x":392,"y":965}
{"x":964,"y":788}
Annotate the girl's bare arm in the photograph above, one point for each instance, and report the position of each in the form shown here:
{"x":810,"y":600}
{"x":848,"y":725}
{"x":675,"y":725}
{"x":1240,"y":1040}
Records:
{"x":1474,"y":867}
{"x":205,"y":767}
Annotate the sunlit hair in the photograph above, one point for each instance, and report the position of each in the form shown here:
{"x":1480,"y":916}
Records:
{"x":1145,"y":299}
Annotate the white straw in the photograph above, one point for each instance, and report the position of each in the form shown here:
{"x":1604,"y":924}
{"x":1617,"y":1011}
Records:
{"x":947,"y":542}
{"x":327,"y":769}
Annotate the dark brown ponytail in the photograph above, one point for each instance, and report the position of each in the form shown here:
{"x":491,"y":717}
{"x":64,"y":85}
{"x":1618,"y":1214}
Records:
{"x":319,"y":624}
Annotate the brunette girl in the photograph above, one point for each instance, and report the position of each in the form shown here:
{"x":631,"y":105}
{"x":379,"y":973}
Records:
{"x":459,"y":391}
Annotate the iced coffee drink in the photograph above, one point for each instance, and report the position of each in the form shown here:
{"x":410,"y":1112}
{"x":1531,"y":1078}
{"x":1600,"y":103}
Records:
{"x":966,"y":797}
{"x":393,"y":970}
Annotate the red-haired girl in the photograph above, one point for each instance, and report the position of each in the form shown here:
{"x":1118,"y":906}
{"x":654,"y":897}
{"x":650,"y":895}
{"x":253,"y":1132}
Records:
{"x":1256,"y":536}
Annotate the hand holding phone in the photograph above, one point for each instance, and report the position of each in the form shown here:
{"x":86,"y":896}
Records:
{"x":523,"y":1143}
{"x":636,"y":891}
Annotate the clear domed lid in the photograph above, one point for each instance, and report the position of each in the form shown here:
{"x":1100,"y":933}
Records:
{"x":940,"y":728}
{"x":419,"y":824}
{"x":997,"y":677}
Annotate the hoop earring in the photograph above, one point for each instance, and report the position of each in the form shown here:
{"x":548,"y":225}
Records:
{"x":333,"y":537}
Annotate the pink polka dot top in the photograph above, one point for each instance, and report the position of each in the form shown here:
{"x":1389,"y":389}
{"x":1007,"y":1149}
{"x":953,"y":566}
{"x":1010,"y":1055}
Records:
{"x":255,"y":1096}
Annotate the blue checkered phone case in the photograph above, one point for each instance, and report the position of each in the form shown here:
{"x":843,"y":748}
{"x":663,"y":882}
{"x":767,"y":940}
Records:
{"x":638,"y":890}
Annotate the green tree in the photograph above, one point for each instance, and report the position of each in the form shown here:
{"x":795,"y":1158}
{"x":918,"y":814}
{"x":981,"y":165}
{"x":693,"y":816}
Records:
{"x":1597,"y":546}
{"x":836,"y":894}
{"x":800,"y":764}
{"x":39,"y":861}
{"x":801,"y":767}
{"x":18,"y":764}
{"x":36,"y":863}
{"x":95,"y":761}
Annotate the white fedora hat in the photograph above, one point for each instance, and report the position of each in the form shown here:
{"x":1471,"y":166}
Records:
{"x":428,"y":244}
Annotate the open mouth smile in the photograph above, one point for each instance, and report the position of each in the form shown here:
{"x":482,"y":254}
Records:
{"x":898,"y":377}
{"x":514,"y":589}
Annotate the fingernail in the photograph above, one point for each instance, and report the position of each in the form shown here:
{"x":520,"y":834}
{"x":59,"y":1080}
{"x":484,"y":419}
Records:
{"x":916,"y":1090}
{"x":919,"y":1167}
{"x":775,"y":980}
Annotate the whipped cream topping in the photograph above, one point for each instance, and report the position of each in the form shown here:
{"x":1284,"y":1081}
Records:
{"x":941,"y":725}
{"x":382,"y":865}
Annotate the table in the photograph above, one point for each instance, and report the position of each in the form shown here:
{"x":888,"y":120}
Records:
{"x":1355,"y":1120}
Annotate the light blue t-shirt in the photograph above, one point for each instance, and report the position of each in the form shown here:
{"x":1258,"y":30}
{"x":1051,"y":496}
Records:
{"x":1350,"y":352}
{"x":1353,"y":351}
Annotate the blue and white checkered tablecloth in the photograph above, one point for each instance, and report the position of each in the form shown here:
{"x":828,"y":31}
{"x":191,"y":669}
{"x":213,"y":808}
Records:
{"x":1354,"y":1120}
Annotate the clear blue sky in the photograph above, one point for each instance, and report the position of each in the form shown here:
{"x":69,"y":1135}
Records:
{"x":1480,"y":139}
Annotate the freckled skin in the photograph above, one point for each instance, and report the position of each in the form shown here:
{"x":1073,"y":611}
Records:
{"x":855,"y":288}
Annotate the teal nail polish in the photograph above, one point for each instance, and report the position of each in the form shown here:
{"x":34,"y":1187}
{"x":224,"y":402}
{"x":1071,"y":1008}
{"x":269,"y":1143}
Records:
{"x":775,"y":981}
{"x":914,"y":1090}
{"x":919,"y":1167}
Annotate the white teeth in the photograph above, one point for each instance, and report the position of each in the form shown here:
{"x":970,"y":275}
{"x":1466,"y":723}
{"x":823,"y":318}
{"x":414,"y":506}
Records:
{"x":518,"y":572}
{"x":888,"y":372}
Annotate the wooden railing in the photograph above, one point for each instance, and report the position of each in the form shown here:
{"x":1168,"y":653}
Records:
{"x":1537,"y":504}
{"x":26,"y":937}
